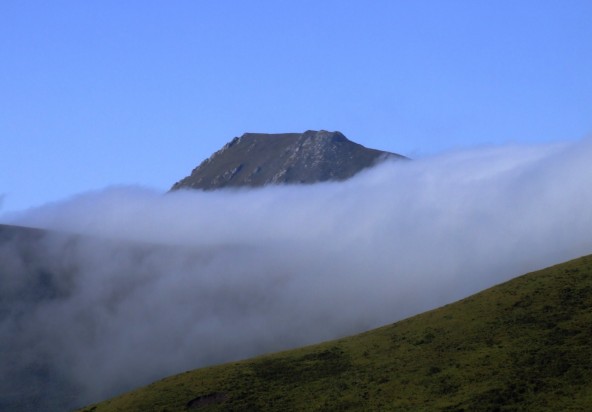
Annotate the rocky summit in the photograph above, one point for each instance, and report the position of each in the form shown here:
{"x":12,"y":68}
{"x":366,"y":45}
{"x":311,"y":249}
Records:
{"x":258,"y":159}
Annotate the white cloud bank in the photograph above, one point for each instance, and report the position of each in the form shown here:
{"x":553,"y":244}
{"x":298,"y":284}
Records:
{"x":260,"y":270}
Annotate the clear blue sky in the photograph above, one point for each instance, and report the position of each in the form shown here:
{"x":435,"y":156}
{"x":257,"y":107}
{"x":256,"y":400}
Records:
{"x":139,"y":92}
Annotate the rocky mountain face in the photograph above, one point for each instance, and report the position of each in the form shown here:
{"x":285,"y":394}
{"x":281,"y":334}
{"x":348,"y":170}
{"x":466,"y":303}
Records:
{"x":258,"y":159}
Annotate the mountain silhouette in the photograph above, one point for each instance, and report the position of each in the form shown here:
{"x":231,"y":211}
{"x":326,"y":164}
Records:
{"x":258,"y":159}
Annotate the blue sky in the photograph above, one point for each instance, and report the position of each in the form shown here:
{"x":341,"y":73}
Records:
{"x":140,"y":92}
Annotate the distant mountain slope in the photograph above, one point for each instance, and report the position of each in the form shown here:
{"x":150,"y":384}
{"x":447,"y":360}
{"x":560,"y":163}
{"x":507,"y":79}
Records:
{"x":520,"y":346}
{"x":28,"y":280}
{"x":257,"y":159}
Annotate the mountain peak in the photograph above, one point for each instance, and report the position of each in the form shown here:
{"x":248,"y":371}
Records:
{"x":258,"y":159}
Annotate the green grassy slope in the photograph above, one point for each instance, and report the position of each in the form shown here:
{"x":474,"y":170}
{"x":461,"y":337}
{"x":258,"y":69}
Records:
{"x":522,"y":345}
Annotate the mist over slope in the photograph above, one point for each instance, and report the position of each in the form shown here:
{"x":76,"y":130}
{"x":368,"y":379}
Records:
{"x":256,"y":270}
{"x":523,"y":345}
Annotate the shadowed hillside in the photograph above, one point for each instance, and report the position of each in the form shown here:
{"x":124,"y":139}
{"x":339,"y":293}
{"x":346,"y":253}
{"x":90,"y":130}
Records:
{"x":522,"y":345}
{"x":30,"y":279}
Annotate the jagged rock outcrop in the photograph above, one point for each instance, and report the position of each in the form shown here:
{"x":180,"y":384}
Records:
{"x":258,"y":159}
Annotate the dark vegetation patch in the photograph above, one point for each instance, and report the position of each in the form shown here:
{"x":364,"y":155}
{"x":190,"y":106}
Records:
{"x":312,"y":366}
{"x":205,"y":400}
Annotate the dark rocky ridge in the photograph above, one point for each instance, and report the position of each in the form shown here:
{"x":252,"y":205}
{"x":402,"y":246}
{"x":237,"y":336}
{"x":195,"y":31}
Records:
{"x":258,"y":159}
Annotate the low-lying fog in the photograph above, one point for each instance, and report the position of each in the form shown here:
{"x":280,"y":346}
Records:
{"x":243,"y":272}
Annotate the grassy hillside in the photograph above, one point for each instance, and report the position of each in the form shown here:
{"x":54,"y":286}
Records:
{"x":522,"y":345}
